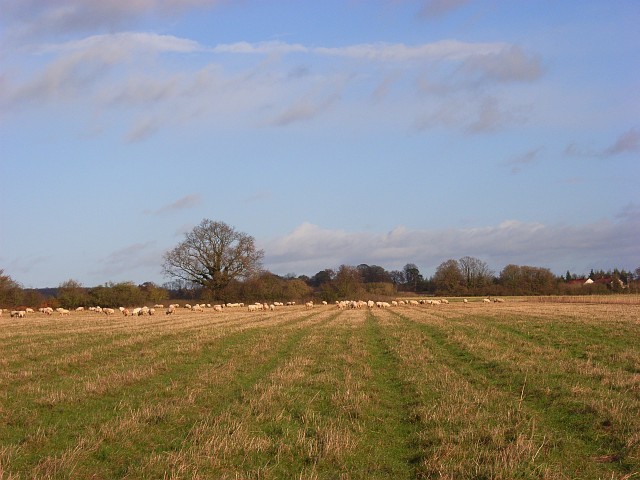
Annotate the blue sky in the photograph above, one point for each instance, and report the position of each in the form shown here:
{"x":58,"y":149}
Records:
{"x":384,"y":132}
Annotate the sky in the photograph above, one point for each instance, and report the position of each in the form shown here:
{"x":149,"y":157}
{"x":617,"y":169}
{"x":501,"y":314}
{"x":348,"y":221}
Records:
{"x":383,"y":132}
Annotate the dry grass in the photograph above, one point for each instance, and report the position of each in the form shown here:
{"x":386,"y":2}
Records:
{"x":514,"y":390}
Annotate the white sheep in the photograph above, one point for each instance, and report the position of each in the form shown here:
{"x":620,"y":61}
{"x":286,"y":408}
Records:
{"x":308,"y":305}
{"x":486,"y":300}
{"x":108,"y":311}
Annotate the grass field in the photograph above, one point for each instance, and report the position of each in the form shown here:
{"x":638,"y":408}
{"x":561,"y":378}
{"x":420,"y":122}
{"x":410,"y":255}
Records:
{"x":485,"y":391}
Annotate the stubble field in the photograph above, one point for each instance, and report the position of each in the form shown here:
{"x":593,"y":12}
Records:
{"x":485,"y":391}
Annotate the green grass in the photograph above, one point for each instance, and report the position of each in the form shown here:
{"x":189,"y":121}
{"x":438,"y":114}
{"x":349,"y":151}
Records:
{"x":452,"y":391}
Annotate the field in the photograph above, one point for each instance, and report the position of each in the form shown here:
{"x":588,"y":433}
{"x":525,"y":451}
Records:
{"x":485,"y":391}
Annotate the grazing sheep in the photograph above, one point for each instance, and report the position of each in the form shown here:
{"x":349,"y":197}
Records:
{"x":486,"y":300}
{"x":171,"y":310}
{"x":80,"y":309}
{"x":62,"y":311}
{"x":464,"y":300}
{"x":308,"y":305}
{"x":18,"y":313}
{"x":125,"y":312}
{"x":108,"y":311}
{"x":498,"y":300}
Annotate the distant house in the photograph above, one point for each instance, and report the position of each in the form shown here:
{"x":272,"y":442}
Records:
{"x":606,"y":281}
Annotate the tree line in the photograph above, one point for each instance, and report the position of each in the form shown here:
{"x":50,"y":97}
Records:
{"x":216,"y":263}
{"x":464,"y":277}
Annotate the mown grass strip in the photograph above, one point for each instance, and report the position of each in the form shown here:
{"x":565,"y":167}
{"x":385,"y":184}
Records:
{"x":396,"y":431}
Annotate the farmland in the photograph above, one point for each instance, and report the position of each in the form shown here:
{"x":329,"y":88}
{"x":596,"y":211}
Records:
{"x":513,"y":390}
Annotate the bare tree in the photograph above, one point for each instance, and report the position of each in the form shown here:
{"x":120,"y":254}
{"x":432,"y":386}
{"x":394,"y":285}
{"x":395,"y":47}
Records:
{"x":475,"y":272}
{"x":212,"y":255}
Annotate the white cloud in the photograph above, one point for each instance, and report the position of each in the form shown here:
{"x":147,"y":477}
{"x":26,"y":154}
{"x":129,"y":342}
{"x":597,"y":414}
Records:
{"x":628,"y":142}
{"x":439,"y":8}
{"x":35,"y":18}
{"x":184,"y":203}
{"x":310,"y":248}
{"x":518,"y":162}
{"x":399,"y":52}
{"x":131,"y":70}
{"x":509,"y":64}
{"x":126,"y":261}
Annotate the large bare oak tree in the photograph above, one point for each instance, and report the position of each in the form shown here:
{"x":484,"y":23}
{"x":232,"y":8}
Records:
{"x":213,"y":254}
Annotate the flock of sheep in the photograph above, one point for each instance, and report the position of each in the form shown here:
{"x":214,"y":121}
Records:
{"x":255,"y":307}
